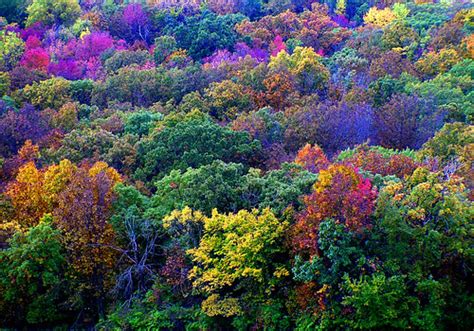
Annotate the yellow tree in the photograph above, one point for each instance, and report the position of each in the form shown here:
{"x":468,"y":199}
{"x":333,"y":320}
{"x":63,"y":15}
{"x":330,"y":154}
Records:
{"x":239,"y":255}
{"x":379,"y":17}
{"x":82,"y":214}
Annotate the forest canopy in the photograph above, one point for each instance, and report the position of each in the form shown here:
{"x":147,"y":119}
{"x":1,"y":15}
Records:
{"x":236,"y":164}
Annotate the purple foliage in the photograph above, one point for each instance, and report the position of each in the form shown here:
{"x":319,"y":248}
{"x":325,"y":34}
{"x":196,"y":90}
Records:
{"x":93,"y":45}
{"x":68,"y":69}
{"x":18,"y":126}
{"x":34,"y":30}
{"x":137,"y":21}
{"x":345,"y":125}
{"x":241,"y":51}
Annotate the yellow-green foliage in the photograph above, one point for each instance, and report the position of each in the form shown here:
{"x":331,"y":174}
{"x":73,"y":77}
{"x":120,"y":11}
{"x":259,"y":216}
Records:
{"x":236,"y":248}
{"x":53,"y":11}
{"x":11,"y":49}
{"x":379,"y":17}
{"x":50,"y":93}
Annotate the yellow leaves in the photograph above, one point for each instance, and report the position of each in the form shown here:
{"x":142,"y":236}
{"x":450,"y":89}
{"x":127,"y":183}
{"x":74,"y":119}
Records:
{"x":325,"y":178}
{"x":57,"y":177}
{"x":183,"y":217}
{"x":214,"y":306}
{"x":433,"y":63}
{"x":379,"y":17}
{"x":324,"y":289}
{"x":27,"y":196}
{"x":29,"y":174}
{"x":416,"y":214}
{"x":235,"y":247}
{"x":111,"y":173}
{"x":281,"y":272}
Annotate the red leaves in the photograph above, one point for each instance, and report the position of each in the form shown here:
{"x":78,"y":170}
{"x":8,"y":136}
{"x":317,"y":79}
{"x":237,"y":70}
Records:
{"x":342,"y":194}
{"x":312,"y":158}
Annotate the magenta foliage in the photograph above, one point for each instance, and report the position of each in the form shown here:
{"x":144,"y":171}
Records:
{"x":93,"y":45}
{"x":32,"y":42}
{"x":68,"y":69}
{"x":134,"y":15}
{"x":137,"y":21}
{"x":34,"y":30}
{"x":36,"y":58}
{"x":278,"y":45}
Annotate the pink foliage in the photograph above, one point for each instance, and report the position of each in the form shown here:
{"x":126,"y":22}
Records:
{"x":68,"y":69}
{"x":33,"y":42}
{"x":36,"y":58}
{"x":94,"y":69}
{"x":277,"y":45}
{"x":93,"y":45}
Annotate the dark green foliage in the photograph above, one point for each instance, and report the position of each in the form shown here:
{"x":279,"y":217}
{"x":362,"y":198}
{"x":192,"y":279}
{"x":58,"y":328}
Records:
{"x":202,"y":34}
{"x":32,"y":276}
{"x":192,"y":142}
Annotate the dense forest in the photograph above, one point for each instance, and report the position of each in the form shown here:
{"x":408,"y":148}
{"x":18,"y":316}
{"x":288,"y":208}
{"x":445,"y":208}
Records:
{"x":236,"y":165}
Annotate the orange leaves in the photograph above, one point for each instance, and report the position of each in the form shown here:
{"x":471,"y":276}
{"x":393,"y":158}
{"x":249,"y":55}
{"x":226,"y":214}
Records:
{"x":35,"y":192}
{"x":83,"y":213}
{"x":27,"y":197}
{"x":278,"y":88}
{"x":312,"y":158}
{"x":340,"y":193}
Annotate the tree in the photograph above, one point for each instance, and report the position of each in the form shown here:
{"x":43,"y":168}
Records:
{"x":435,"y":213}
{"x":310,"y":74}
{"x":35,"y":59}
{"x":217,"y":185}
{"x":82,"y":214}
{"x":164,"y":46}
{"x":379,"y":160}
{"x":18,"y":126}
{"x":32,"y":279}
{"x":240,"y":251}
{"x":11,"y":49}
{"x":5,"y":83}
{"x":50,"y":93}
{"x":122,"y":59}
{"x":51,"y":12}
{"x":312,"y":158}
{"x":205,"y":33}
{"x":137,"y":21}
{"x":406,"y":121}
{"x":314,"y":28}
{"x":227,"y":99}
{"x":34,"y":192}
{"x":341,"y":194}
{"x":433,"y":63}
{"x":93,"y":45}
{"x":379,"y":17}
{"x":449,"y":143}
{"x":191,"y":142}
{"x":13,"y":10}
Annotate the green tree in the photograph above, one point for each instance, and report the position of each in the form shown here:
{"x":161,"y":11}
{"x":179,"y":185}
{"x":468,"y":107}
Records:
{"x":50,"y":93}
{"x":239,"y":262}
{"x":53,"y":12}
{"x":32,"y":276}
{"x":191,"y":142}
{"x":11,"y":49}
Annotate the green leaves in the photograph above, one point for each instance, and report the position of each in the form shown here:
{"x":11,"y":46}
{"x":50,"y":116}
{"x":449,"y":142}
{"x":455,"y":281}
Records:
{"x":191,"y":143}
{"x":53,"y":12}
{"x":32,"y":275}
